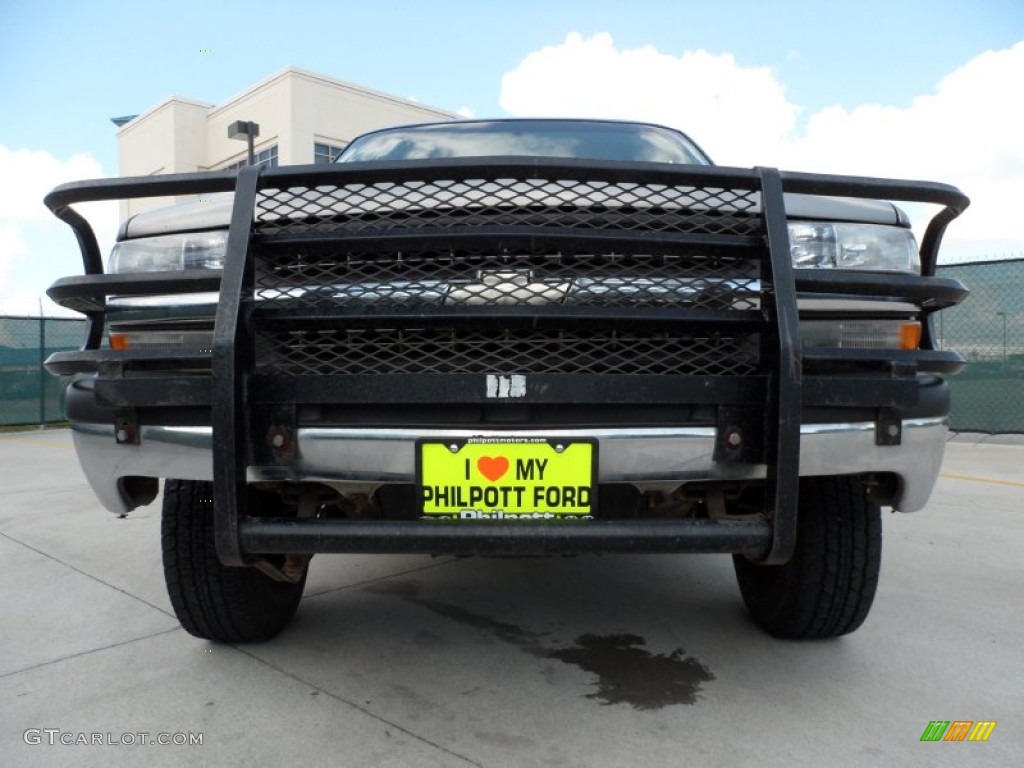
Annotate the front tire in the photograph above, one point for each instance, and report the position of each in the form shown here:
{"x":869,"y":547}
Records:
{"x":827,"y":588}
{"x":211,"y":600}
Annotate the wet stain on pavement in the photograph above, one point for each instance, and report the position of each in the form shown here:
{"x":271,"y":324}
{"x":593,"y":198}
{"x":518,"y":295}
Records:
{"x":510,"y":633}
{"x":630,"y":674}
{"x":627,"y":673}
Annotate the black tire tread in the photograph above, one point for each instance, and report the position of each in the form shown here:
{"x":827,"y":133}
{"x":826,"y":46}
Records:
{"x":211,"y":600}
{"x":827,"y":588}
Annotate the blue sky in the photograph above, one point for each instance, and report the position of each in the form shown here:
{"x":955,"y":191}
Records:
{"x":811,"y":84}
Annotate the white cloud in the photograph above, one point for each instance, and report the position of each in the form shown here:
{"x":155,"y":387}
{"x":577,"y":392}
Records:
{"x":730,"y":110}
{"x":29,"y":174}
{"x":12,"y":248}
{"x":28,"y":231}
{"x":465,"y":112}
{"x":967,"y":132}
{"x":27,"y":304}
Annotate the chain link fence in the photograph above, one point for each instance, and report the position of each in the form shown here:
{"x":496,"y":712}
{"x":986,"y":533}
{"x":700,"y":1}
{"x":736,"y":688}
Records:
{"x":28,"y":394}
{"x":988,"y":330}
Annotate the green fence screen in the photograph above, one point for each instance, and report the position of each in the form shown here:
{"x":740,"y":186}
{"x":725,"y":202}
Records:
{"x":988,"y":330}
{"x":28,"y":394}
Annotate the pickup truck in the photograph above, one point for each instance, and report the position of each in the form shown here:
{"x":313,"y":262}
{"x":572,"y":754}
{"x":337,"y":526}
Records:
{"x":513,"y":337}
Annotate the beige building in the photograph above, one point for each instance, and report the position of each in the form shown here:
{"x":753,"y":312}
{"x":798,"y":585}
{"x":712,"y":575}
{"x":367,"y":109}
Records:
{"x":303,"y":117}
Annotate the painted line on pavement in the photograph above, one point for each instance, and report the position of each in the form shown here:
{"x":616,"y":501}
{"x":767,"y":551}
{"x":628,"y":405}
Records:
{"x":1010,"y":483}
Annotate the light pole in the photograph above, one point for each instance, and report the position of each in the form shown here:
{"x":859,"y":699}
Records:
{"x":248,"y":130}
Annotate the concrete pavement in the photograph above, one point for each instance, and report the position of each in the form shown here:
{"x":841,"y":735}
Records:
{"x":590,"y":661}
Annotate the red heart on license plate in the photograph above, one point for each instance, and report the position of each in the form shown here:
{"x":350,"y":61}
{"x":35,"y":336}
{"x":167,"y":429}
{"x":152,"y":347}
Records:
{"x":492,"y":468}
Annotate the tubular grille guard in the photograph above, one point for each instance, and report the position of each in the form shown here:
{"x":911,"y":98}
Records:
{"x":724,"y":210}
{"x":455,"y":351}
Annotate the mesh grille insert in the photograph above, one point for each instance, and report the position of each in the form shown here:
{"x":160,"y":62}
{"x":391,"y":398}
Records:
{"x":324,"y":277}
{"x":454,"y":351}
{"x":387,"y":206}
{"x":385,"y":245}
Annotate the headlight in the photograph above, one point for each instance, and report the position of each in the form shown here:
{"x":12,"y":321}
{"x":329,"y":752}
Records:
{"x":169,"y":253}
{"x":825,"y":245}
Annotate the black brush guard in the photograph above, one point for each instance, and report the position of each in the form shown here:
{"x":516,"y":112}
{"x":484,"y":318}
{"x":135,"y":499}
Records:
{"x":247,"y":405}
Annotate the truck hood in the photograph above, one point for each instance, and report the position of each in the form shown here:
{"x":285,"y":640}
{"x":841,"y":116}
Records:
{"x":215,"y":213}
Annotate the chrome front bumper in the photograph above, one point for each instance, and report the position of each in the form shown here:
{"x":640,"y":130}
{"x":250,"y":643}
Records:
{"x":650,"y":458}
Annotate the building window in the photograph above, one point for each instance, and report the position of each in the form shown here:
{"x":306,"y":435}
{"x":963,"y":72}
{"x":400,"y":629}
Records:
{"x":267,"y":157}
{"x":325,"y":153}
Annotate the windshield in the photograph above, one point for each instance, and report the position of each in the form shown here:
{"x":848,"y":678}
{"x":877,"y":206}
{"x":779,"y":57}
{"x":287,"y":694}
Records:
{"x":593,"y":140}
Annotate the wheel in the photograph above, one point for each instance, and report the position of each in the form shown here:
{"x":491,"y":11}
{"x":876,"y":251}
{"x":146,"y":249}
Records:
{"x":211,"y":600}
{"x":826,"y":589}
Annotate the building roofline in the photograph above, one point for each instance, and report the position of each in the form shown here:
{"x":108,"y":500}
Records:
{"x":281,"y":74}
{"x":213,"y":110}
{"x":172,"y":99}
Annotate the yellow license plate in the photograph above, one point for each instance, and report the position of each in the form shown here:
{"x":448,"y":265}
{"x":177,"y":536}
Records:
{"x":507,"y":478}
